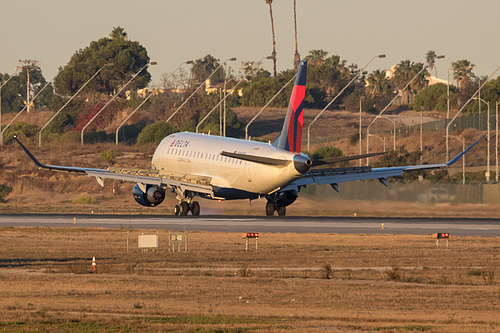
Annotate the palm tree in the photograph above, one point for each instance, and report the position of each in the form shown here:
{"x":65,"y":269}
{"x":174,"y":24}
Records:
{"x":404,"y":72}
{"x":378,"y":85}
{"x":118,"y":33}
{"x":270,"y":3}
{"x":430,"y":58}
{"x":462,"y":72}
{"x":296,"y":58}
{"x":316,"y":57}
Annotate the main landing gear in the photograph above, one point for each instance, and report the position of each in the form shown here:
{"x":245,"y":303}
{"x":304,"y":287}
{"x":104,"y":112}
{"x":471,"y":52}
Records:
{"x":271,"y":207}
{"x":186,"y":204}
{"x":184,"y":208}
{"x":278,"y":202}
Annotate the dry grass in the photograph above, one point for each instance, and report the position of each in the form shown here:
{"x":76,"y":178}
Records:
{"x":294,"y":282}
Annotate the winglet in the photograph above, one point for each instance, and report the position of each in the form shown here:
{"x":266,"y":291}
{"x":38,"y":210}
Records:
{"x":456,"y":158}
{"x":33,"y":158}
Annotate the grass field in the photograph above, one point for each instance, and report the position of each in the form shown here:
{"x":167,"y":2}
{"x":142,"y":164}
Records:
{"x":293,"y":282}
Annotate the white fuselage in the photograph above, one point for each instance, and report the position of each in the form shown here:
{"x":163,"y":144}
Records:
{"x":199,"y":154}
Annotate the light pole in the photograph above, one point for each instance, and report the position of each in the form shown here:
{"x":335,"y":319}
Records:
{"x":144,"y":101}
{"x":381,"y":139}
{"x":30,"y":65}
{"x":488,"y":138}
{"x":130,"y":115}
{"x":19,"y":113}
{"x":462,"y":108}
{"x":333,"y":100}
{"x":463,"y":157}
{"x":267,"y":104}
{"x":448,"y":111}
{"x":1,"y":86}
{"x":194,"y":92}
{"x":394,"y":130}
{"x":175,"y":70}
{"x":225,"y":93}
{"x":496,"y":141}
{"x":55,"y":115}
{"x":114,"y":96}
{"x":215,"y":107}
{"x":360,"y":131}
{"x":388,"y":105}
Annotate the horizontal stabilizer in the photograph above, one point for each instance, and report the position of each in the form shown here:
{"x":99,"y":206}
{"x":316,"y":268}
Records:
{"x":257,"y":159}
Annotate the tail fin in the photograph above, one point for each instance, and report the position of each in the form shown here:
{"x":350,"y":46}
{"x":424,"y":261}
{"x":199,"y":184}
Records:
{"x":291,"y":135}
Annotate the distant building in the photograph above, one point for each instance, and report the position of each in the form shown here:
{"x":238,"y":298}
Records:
{"x":220,"y":87}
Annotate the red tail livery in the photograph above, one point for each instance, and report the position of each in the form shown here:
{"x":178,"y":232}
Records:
{"x":290,"y":138}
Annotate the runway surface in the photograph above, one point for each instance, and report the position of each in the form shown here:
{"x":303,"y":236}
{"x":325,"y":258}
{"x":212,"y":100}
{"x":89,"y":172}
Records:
{"x":343,"y":225}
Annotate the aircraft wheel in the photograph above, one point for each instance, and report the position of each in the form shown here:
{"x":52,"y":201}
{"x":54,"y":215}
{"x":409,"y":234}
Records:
{"x":269,"y":209}
{"x":282,"y":211}
{"x":195,"y":208}
{"x":177,"y":210}
{"x":184,"y":208}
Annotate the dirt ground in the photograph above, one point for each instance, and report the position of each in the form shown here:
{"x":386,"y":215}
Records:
{"x":299,"y":283}
{"x":292,"y":282}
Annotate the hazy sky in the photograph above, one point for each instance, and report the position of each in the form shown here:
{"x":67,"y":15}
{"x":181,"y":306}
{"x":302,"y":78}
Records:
{"x":51,"y":31}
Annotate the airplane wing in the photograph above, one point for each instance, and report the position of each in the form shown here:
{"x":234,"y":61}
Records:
{"x":188,"y":182}
{"x":342,"y":175}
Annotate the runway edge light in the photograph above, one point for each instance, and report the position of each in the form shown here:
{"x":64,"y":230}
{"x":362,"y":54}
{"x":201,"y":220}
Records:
{"x":250,"y":235}
{"x":441,"y":235}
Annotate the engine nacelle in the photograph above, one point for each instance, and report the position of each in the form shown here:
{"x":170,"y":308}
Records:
{"x":287,"y":198}
{"x":154,"y":195}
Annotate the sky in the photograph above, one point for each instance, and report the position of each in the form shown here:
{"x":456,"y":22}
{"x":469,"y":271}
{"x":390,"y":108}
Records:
{"x":173,"y":32}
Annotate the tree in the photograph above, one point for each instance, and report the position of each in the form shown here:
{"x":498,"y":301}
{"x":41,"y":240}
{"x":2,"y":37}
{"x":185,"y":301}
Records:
{"x":404,"y":72}
{"x":270,"y":3}
{"x":490,"y":92}
{"x":432,"y":98}
{"x":14,"y":92}
{"x":316,"y":57}
{"x":118,"y":33}
{"x":379,"y":86}
{"x":329,"y":74}
{"x":462,"y":73}
{"x":252,"y":70}
{"x":430,"y":58}
{"x":203,"y":68}
{"x":128,"y":58}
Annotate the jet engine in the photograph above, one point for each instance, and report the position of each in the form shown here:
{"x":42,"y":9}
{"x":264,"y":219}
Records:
{"x":153,"y":196}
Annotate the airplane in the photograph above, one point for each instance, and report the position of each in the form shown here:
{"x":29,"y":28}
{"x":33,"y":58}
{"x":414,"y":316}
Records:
{"x":220,"y":168}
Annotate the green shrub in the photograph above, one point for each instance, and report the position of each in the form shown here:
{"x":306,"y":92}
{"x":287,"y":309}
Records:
{"x":474,"y":272}
{"x":4,"y":191}
{"x":108,"y":155}
{"x":98,"y":136}
{"x":85,"y":200}
{"x":154,"y":133}
{"x":22,"y":130}
{"x":70,"y":137}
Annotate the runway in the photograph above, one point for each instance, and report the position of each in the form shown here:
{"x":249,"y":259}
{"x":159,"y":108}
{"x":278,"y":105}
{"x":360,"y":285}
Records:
{"x":303,"y":224}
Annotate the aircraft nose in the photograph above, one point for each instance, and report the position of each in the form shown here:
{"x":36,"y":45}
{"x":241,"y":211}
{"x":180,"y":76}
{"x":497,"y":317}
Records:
{"x":302,"y":163}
